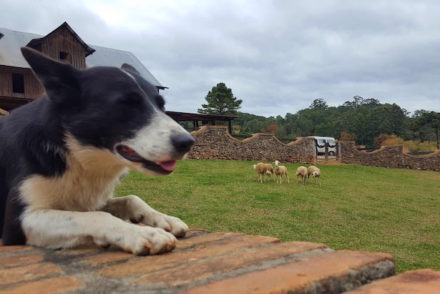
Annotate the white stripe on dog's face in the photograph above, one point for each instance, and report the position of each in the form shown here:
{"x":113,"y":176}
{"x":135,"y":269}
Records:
{"x":154,"y":141}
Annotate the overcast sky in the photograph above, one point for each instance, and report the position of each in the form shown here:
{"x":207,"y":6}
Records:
{"x":277,"y":56}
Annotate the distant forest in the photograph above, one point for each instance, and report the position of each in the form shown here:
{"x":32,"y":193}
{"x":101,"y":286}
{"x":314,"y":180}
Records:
{"x":362,"y":120}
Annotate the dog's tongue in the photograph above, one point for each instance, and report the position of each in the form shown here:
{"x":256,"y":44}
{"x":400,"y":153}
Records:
{"x":168,"y":165}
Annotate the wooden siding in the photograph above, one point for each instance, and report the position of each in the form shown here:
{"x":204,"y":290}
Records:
{"x":62,"y":40}
{"x":32,"y":87}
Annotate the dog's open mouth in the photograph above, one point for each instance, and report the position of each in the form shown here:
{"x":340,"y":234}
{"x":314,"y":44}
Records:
{"x":164,"y":167}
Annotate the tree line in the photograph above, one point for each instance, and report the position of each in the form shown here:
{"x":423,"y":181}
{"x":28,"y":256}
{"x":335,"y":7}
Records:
{"x":363,"y":120}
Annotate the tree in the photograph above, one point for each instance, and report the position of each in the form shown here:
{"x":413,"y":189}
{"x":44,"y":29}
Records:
{"x":430,"y":119}
{"x":220,"y":101}
{"x":319,"y":104}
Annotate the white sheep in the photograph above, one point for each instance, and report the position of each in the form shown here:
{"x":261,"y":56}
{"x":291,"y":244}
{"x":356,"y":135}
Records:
{"x":262,"y":169}
{"x":280,"y":171}
{"x":301,"y":172}
{"x":315,"y":172}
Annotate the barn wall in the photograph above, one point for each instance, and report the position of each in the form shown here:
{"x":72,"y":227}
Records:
{"x":32,"y":87}
{"x":63,"y":40}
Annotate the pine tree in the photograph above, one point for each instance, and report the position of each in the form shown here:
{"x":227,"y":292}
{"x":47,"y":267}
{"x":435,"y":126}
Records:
{"x":220,"y":100}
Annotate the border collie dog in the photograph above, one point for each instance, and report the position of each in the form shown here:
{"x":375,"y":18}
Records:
{"x":62,"y":155}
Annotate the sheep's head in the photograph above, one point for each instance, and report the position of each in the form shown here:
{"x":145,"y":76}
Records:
{"x":277,"y":162}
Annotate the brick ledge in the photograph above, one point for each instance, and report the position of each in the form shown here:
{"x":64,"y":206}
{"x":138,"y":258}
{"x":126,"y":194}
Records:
{"x":202,"y":262}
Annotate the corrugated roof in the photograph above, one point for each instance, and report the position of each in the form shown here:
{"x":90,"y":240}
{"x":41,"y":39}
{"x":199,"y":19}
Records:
{"x":10,"y":44}
{"x":113,"y":57}
{"x":12,"y":41}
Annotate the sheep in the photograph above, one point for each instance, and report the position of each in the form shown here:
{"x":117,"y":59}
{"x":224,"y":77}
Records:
{"x":281,"y":171}
{"x":262,"y":169}
{"x":315,"y":173}
{"x":301,"y":172}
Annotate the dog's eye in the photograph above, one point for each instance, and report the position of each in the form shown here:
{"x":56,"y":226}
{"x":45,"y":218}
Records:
{"x":160,"y":102}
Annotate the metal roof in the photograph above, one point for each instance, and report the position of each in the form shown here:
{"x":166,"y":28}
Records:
{"x":12,"y":41}
{"x":10,"y":44}
{"x":113,"y":57}
{"x":186,"y":116}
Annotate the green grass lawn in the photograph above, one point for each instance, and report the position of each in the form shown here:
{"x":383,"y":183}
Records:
{"x":357,"y":207}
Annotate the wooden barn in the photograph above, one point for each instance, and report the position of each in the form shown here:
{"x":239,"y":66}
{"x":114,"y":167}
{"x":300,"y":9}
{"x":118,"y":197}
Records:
{"x":18,"y":85}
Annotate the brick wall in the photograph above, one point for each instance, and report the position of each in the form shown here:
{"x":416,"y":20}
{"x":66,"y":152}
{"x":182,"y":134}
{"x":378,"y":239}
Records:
{"x":209,"y":263}
{"x":389,"y":156}
{"x":214,"y":142}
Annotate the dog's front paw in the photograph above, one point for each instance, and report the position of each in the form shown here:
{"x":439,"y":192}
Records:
{"x":169,"y":223}
{"x":144,"y":214}
{"x":142,"y":240}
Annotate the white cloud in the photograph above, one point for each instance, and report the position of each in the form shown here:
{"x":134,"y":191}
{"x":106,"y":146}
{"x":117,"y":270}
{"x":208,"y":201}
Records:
{"x":275,"y":55}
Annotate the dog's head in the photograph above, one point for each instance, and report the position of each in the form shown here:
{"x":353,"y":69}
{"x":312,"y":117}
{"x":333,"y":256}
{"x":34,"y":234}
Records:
{"x":114,"y":109}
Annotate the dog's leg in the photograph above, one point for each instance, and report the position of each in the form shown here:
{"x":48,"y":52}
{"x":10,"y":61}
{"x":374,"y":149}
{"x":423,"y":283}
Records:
{"x":137,"y":211}
{"x":62,"y":229}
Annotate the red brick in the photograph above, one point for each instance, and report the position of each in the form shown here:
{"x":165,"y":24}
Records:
{"x":106,"y":257}
{"x":19,"y":260}
{"x":7,"y":249}
{"x":424,"y":281}
{"x":47,"y":286}
{"x":206,"y":238}
{"x":27,"y":273}
{"x":296,"y":276}
{"x":207,"y":268}
{"x":142,"y":265}
{"x":79,"y":251}
{"x":198,"y":240}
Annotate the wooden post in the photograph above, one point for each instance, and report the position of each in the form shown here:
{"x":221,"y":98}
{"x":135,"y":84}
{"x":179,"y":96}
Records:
{"x":230,"y":127}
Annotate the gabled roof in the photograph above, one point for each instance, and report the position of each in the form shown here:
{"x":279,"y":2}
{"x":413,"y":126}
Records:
{"x":35,"y":42}
{"x":12,"y":41}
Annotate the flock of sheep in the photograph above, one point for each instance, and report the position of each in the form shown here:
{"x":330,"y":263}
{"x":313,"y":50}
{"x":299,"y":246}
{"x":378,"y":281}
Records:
{"x":280,"y":171}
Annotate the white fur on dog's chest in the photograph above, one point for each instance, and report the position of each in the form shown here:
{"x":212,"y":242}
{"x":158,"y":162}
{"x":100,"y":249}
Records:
{"x":87,"y":183}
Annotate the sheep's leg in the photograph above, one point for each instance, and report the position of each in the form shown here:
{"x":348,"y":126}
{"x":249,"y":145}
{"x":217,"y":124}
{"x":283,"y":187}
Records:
{"x":287,"y":176}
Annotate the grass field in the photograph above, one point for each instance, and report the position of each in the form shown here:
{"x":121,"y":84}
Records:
{"x":357,"y":207}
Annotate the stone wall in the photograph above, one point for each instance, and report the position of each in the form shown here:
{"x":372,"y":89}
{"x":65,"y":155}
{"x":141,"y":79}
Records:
{"x":214,"y":142}
{"x":390,"y":156}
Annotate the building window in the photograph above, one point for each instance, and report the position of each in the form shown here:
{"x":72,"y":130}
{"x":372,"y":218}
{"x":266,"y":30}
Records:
{"x":17,"y":83}
{"x":64,"y":55}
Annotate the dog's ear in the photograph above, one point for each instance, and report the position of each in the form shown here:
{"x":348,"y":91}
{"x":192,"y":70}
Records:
{"x":59,"y":79}
{"x":130,"y":69}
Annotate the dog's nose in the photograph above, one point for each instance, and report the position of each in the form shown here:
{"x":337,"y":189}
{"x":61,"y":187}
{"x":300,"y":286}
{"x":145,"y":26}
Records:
{"x":182,"y":142}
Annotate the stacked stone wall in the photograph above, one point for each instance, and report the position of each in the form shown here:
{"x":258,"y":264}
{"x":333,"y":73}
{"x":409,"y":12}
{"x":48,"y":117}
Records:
{"x":214,"y":142}
{"x":389,"y":156}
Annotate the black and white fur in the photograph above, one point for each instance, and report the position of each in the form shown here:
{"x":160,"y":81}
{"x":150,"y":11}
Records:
{"x":62,"y":155}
